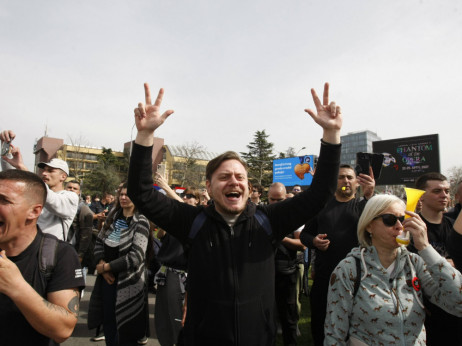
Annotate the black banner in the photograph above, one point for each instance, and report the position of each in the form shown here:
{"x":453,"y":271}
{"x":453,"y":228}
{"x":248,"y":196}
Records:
{"x":407,"y":158}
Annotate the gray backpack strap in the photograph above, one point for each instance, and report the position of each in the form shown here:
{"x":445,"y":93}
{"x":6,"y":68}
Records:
{"x":48,"y":253}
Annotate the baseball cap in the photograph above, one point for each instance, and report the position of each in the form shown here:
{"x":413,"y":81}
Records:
{"x":55,"y":163}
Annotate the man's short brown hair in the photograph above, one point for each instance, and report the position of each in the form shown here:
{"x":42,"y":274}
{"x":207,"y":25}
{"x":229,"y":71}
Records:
{"x":34,"y":185}
{"x":213,"y":165}
{"x":421,"y":182}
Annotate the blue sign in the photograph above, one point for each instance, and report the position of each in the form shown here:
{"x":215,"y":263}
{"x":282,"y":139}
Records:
{"x":294,"y":170}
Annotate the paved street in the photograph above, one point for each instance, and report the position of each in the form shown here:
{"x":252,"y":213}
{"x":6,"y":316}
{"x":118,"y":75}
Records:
{"x":82,"y":335}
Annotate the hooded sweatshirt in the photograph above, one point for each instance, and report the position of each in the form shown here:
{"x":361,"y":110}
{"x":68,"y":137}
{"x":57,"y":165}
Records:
{"x":387,"y":309}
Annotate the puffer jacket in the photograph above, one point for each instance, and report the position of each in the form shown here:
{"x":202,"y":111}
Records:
{"x":387,"y":309}
{"x":230,"y":269}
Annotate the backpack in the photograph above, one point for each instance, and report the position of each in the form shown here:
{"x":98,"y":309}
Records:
{"x":48,"y":255}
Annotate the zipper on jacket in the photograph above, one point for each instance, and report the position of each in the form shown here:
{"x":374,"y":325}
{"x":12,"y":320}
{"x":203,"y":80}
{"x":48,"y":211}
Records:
{"x":236,"y":286}
{"x":399,"y":310}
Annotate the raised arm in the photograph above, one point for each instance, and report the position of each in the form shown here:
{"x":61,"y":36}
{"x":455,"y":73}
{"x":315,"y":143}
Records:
{"x":14,"y":158}
{"x":7,"y":136}
{"x":367,"y":182}
{"x":328,"y":116}
{"x":291,"y":214}
{"x":63,"y":204}
{"x":148,"y":117}
{"x":160,"y":180}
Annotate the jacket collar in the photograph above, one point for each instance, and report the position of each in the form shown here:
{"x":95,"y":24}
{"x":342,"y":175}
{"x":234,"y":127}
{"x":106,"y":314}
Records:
{"x":247,"y":213}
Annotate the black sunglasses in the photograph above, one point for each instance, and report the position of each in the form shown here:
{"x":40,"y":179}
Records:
{"x":390,"y":219}
{"x":189,"y":195}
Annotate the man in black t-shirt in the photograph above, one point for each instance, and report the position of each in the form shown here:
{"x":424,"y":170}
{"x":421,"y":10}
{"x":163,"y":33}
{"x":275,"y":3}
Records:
{"x":442,"y":327}
{"x":333,"y":234}
{"x":35,"y":309}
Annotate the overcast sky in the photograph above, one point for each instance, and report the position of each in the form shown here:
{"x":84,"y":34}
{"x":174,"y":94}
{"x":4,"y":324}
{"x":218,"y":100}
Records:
{"x":230,"y":68}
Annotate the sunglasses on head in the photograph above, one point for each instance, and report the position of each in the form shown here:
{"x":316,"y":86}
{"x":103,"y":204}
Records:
{"x":390,"y":219}
{"x":189,"y":195}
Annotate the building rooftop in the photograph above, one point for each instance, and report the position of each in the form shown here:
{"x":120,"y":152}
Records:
{"x":363,"y":131}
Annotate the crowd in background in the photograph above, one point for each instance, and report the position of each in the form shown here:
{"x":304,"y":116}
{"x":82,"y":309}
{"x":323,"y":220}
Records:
{"x":228,"y":263}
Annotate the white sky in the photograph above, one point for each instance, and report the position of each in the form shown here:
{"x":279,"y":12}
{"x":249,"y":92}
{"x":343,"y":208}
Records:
{"x":230,"y":68}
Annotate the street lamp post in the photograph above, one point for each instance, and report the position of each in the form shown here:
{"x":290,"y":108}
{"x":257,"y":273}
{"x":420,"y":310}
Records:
{"x":302,"y":148}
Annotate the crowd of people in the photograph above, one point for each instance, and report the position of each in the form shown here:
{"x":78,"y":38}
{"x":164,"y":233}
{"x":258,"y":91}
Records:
{"x":227,"y":264}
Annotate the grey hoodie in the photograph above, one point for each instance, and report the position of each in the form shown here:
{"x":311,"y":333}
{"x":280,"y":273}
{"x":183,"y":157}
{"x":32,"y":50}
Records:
{"x":387,"y":310}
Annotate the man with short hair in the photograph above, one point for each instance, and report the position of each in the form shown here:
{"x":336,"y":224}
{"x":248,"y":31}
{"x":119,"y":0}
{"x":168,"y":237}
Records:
{"x":442,"y":327}
{"x":35,"y":309}
{"x":333,"y":234}
{"x":287,"y":272}
{"x":231,"y":255}
{"x":296,"y":189}
{"x":434,"y":203}
{"x":61,"y":206}
{"x":257,"y":191}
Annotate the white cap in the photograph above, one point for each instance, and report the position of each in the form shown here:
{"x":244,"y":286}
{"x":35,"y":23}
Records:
{"x":55,"y":163}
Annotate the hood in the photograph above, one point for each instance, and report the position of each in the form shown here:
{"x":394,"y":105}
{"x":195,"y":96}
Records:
{"x":370,"y":259}
{"x":370,"y":263}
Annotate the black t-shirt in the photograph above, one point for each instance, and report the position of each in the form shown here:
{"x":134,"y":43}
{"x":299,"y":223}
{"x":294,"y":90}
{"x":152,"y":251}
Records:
{"x":67,"y":274}
{"x":339,"y":220}
{"x":438,"y":235}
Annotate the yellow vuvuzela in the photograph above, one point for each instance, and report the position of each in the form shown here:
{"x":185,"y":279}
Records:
{"x":413,"y":196}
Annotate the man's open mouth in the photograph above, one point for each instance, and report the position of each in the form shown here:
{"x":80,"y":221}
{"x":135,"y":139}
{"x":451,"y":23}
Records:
{"x":233,"y":195}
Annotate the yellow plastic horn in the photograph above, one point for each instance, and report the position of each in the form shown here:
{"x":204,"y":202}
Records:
{"x":413,"y":196}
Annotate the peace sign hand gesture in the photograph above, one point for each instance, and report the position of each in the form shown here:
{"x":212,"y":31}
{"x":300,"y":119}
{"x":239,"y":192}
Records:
{"x":148,"y":117}
{"x":328,"y":116}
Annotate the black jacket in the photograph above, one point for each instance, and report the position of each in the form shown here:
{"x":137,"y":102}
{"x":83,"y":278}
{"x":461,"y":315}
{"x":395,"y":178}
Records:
{"x":230,"y":270}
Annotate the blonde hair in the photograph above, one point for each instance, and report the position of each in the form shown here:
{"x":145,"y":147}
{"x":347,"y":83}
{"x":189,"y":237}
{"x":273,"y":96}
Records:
{"x":374,"y":207}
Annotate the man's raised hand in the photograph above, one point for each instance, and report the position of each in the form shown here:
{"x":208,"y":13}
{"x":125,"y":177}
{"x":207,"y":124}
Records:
{"x":148,"y":117}
{"x":328,"y":116}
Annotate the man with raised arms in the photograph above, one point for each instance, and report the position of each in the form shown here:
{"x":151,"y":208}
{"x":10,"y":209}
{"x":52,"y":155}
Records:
{"x":231,"y":243}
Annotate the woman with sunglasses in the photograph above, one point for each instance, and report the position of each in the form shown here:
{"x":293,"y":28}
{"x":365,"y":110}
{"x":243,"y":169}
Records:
{"x":387,"y":307}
